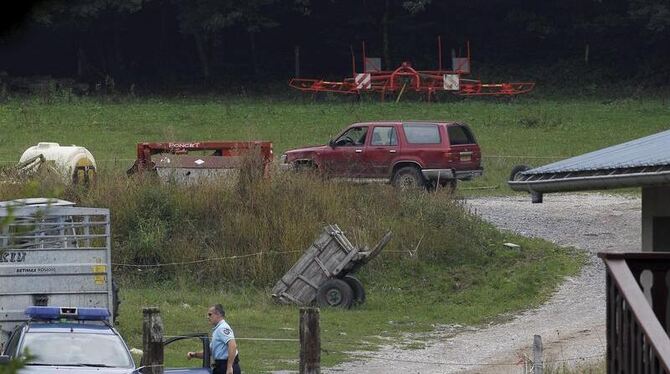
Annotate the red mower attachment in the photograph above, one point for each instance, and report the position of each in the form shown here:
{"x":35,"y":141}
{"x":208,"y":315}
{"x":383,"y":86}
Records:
{"x":471,"y":87}
{"x":186,"y":161}
{"x":315,"y":85}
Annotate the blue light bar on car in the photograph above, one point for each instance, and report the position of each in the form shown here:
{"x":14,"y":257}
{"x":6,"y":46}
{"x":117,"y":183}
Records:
{"x":55,"y":313}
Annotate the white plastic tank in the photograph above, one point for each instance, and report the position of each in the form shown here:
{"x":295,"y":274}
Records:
{"x":76,"y":164}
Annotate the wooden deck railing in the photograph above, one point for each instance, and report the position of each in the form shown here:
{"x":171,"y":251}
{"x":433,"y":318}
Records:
{"x":638,"y":312}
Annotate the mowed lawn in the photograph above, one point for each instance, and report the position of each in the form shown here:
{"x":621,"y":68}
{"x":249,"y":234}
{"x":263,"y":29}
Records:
{"x":521,"y":131}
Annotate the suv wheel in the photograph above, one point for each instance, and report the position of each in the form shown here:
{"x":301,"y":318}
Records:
{"x":408,"y":177}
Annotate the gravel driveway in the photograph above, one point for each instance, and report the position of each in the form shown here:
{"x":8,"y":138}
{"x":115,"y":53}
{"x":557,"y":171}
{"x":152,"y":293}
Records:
{"x":571,"y":323}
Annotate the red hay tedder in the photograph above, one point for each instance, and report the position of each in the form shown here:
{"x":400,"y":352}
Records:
{"x":406,"y":78}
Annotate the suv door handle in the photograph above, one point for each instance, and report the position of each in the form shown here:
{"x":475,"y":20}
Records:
{"x":392,"y":151}
{"x":359,"y":151}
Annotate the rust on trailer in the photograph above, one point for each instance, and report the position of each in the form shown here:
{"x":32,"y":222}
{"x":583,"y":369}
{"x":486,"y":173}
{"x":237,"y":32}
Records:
{"x":211,"y":156}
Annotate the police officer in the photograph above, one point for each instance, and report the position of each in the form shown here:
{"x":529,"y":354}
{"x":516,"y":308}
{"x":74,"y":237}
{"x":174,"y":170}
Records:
{"x":223,"y":343}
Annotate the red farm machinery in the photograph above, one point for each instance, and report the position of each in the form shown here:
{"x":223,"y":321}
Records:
{"x":190,"y":161}
{"x":407,"y":78}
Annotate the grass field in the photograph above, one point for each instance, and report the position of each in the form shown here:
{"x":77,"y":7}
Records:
{"x":413,"y":300}
{"x":461,"y":275}
{"x":523,"y":131}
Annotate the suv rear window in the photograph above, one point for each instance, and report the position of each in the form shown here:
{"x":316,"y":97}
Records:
{"x":422,"y":134}
{"x":460,"y":135}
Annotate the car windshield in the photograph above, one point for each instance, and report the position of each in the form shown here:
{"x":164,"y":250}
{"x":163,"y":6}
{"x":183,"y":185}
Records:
{"x":76,"y":349}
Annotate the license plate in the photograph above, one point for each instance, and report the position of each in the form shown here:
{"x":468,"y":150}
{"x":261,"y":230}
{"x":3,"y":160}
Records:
{"x":466,"y":156}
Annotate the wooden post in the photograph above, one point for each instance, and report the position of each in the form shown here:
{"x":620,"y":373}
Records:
{"x":538,"y":365}
{"x":310,"y":341}
{"x":152,"y":341}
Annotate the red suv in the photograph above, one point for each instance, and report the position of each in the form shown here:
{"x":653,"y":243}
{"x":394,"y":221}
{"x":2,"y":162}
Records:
{"x":407,"y":154}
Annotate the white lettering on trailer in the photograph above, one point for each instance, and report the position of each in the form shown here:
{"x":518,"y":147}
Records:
{"x":183,"y":145}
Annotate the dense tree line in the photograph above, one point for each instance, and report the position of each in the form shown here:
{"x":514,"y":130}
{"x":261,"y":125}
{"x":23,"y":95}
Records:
{"x":159,"y":43}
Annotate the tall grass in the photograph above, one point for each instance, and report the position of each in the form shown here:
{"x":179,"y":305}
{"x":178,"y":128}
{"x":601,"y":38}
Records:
{"x":192,"y":231}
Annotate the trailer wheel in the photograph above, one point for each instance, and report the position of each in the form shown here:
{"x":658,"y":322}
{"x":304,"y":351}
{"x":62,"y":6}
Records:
{"x":335,"y":293}
{"x":357,"y":288}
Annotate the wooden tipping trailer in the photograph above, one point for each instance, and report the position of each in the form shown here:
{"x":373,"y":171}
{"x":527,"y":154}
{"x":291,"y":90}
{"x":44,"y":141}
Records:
{"x":324,"y":273}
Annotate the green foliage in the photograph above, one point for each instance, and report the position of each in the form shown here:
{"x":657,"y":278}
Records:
{"x":654,"y":14}
{"x":15,"y":365}
{"x":62,"y":12}
{"x":11,"y":368}
{"x":561,"y":367}
{"x":207,"y":15}
{"x":406,"y":294}
{"x":269,"y":223}
{"x":146,"y":44}
{"x":529,"y":130}
{"x":443,"y":266}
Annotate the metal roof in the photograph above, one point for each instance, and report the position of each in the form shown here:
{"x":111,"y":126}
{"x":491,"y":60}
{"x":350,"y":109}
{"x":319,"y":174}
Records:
{"x":637,"y":163}
{"x":652,"y":150}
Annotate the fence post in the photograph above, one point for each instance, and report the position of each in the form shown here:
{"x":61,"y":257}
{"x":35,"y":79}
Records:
{"x":310,"y":341}
{"x":152,"y":341}
{"x":538,"y":365}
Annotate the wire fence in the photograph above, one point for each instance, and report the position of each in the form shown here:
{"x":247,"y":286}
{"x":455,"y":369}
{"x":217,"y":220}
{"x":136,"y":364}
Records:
{"x":233,"y":257}
{"x":212,"y":259}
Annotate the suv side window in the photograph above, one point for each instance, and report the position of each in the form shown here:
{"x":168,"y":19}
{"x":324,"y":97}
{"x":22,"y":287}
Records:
{"x":355,"y":136}
{"x":422,"y":134}
{"x":384,"y":136}
{"x":460,"y":135}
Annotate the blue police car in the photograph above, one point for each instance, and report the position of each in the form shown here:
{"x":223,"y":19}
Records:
{"x":77,"y":340}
